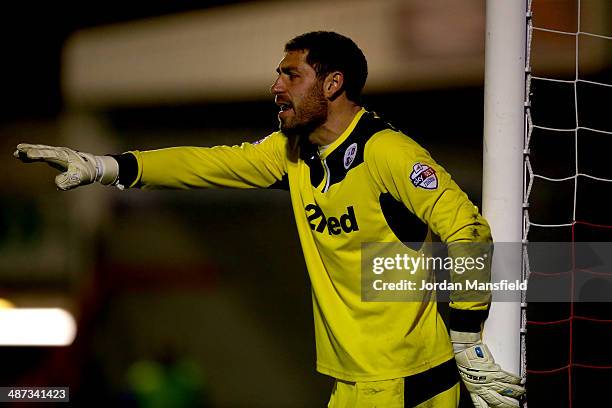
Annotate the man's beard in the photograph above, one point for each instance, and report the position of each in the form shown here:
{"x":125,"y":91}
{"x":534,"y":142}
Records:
{"x":312,"y":114}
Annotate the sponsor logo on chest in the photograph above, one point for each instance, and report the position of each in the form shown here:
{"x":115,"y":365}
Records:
{"x":319,"y":222}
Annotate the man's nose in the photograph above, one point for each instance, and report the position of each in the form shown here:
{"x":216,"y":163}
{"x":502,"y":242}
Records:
{"x":277,"y":87}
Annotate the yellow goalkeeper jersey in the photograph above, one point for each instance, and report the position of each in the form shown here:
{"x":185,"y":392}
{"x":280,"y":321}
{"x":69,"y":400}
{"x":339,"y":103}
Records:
{"x":372,"y":184}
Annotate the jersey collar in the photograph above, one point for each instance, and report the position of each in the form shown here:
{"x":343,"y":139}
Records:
{"x":344,"y":135}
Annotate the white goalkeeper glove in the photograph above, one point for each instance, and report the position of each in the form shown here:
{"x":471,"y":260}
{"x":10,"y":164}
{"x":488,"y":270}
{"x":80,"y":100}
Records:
{"x":77,"y":168}
{"x":488,"y":384}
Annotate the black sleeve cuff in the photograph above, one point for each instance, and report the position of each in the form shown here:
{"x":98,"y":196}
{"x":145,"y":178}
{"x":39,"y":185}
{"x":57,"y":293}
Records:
{"x":128,"y":168}
{"x":466,"y":320}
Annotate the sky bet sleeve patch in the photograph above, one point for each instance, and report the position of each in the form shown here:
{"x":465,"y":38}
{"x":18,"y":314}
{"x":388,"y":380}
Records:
{"x":424,"y":176}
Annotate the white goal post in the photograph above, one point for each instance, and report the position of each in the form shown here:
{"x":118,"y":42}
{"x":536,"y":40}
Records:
{"x":504,"y":127}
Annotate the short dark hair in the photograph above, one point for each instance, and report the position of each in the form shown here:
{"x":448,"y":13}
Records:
{"x":328,"y":52}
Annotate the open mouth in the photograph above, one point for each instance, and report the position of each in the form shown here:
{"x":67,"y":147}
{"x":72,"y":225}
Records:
{"x":285,"y":110}
{"x":284,"y":107}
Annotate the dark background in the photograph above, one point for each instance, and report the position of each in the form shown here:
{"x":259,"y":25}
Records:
{"x":175,"y":275}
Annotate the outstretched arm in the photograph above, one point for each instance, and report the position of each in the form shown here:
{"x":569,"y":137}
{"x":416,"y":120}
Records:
{"x":250,"y":165}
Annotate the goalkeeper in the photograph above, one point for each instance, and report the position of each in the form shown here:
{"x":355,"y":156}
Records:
{"x":352,"y":178}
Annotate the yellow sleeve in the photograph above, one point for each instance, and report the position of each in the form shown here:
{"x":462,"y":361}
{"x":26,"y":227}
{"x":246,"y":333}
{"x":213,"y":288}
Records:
{"x":403,"y":168}
{"x":249,"y":165}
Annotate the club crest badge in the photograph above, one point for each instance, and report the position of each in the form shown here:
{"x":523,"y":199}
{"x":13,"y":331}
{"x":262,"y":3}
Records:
{"x":424,"y":176}
{"x":349,"y":155}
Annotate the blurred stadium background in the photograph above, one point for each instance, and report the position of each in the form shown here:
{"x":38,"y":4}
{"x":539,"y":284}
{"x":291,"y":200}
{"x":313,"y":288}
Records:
{"x":202,"y":298}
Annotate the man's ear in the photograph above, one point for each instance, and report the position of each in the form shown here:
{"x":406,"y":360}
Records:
{"x":333,"y":85}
